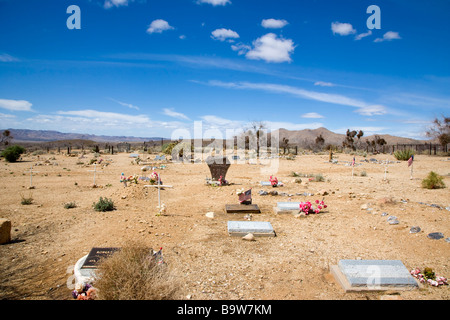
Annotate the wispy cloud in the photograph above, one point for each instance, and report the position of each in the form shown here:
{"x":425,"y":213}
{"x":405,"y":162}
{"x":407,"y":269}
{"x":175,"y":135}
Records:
{"x":312,"y":115}
{"x":324,"y":84}
{"x":174,"y":114}
{"x":15,"y":105}
{"x":363,"y":35}
{"x":108,"y":118}
{"x":215,"y":2}
{"x":158,"y":26}
{"x":4,"y":57}
{"x":388,"y":36}
{"x":274,"y":23}
{"x":343,"y":29}
{"x":115,"y":3}
{"x":362,"y":107}
{"x":126,"y":104}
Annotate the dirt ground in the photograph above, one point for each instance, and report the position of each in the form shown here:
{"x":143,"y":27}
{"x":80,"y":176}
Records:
{"x":48,"y":239}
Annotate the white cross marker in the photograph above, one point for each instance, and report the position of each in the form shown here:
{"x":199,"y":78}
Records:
{"x":31,"y":176}
{"x":95,"y":171}
{"x":159,"y":189}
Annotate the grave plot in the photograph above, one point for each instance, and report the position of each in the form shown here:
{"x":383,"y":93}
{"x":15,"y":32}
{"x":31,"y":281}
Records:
{"x":257,"y":228}
{"x":373,"y":275}
{"x":287,"y":207}
{"x":84,"y":270}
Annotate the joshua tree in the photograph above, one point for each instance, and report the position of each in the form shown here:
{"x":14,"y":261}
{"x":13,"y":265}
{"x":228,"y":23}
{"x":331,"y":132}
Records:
{"x":6,"y":137}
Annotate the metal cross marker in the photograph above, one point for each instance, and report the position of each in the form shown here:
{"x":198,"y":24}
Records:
{"x":159,"y":186}
{"x":95,"y":171}
{"x":31,"y":176}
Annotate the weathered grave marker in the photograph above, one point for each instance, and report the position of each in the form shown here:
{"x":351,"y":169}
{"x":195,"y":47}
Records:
{"x":242,"y":208}
{"x":159,"y":186}
{"x":95,"y":171}
{"x":257,"y":228}
{"x":373,"y":275}
{"x":287,"y":207}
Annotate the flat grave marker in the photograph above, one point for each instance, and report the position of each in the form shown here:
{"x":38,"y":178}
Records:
{"x":242,"y":208}
{"x":373,"y":275}
{"x":257,"y":228}
{"x":287,"y":207}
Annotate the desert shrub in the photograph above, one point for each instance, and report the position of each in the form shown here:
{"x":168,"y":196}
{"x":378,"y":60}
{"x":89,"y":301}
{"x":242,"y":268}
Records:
{"x":103,"y":205}
{"x":133,"y":273}
{"x":70,"y":205}
{"x":11,"y":154}
{"x":319,"y":178}
{"x":26,"y":201}
{"x":403,"y":155}
{"x":363,"y":174}
{"x":433,"y":181}
{"x":168,"y":147}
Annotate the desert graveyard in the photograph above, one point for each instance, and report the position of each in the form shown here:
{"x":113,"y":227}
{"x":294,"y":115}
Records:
{"x":374,"y":212}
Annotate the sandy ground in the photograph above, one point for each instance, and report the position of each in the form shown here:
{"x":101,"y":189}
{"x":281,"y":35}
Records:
{"x":47,"y":239}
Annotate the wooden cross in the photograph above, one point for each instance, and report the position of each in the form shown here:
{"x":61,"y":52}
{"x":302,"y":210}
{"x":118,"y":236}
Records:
{"x":95,"y":171}
{"x":31,"y":176}
{"x":385,"y":169}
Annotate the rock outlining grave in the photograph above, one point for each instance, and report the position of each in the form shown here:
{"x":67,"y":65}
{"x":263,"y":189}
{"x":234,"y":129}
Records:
{"x":435,"y":235}
{"x":5,"y":231}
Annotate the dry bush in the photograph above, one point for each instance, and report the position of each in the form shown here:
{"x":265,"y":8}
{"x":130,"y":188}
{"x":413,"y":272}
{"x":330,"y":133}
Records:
{"x":132,"y":274}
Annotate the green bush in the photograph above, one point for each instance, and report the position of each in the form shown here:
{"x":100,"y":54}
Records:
{"x":13,"y":153}
{"x":70,"y":205}
{"x":103,"y":205}
{"x":403,"y":155}
{"x":433,"y":181}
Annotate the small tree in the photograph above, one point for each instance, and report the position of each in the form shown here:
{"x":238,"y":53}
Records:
{"x":13,"y":153}
{"x":440,"y":130}
{"x":6,"y":137}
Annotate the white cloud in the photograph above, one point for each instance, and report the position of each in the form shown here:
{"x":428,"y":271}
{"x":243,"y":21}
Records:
{"x":15,"y":105}
{"x":126,"y":104}
{"x":107,"y":118}
{"x":312,"y":115}
{"x":388,"y":36}
{"x":372,"y":110}
{"x":270,"y":48}
{"x":174,"y":114}
{"x":215,"y":2}
{"x":273,"y":23}
{"x":241,"y":48}
{"x":323,"y":84}
{"x":7,"y":58}
{"x":158,"y":26}
{"x":343,"y":29}
{"x":224,"y":34}
{"x":363,"y":108}
{"x":115,"y":3}
{"x":363,"y":35}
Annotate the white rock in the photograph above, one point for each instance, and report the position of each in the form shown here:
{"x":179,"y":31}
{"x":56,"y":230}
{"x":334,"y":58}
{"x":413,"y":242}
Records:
{"x":210,"y":215}
{"x":249,"y":237}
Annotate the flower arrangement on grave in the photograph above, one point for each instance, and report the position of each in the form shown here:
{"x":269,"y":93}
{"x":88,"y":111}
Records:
{"x":84,"y":292}
{"x":161,"y":210}
{"x":154,"y":178}
{"x":240,"y":191}
{"x":308,"y":208}
{"x":273,"y":181}
{"x":134,"y":178}
{"x":428,"y":276}
{"x":222,"y":181}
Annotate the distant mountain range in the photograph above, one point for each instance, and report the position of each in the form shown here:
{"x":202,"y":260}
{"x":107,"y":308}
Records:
{"x":308,"y":136}
{"x":296,"y":137}
{"x":26,"y":135}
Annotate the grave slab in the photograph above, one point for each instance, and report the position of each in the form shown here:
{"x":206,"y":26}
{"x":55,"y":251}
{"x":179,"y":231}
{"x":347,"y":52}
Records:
{"x":287,"y":207}
{"x":269,"y":184}
{"x":257,"y":228}
{"x":242,"y":208}
{"x":373,"y":275}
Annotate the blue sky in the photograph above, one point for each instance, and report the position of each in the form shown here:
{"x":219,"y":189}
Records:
{"x":154,"y":68}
